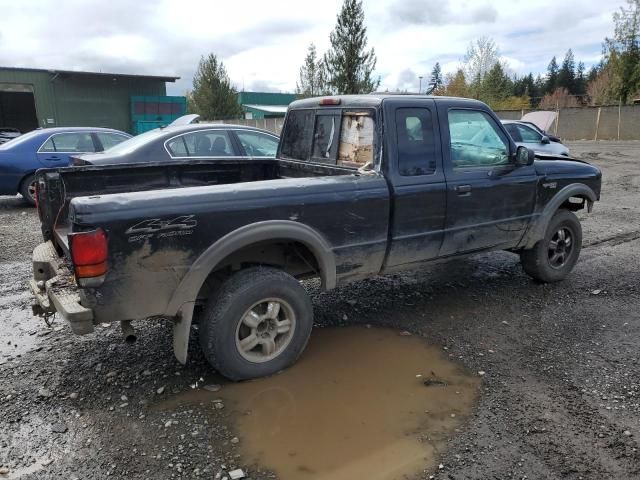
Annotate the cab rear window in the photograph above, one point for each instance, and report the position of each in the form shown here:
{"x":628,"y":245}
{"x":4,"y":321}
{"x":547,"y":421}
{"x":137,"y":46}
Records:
{"x":333,"y":136}
{"x":297,"y":135}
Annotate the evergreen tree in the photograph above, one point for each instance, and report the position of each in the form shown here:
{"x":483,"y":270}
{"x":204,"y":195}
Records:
{"x":348,"y":64}
{"x":213,"y":97}
{"x":567,"y":73}
{"x":526,"y":87}
{"x":497,"y":85}
{"x":541,"y":85}
{"x":580,"y":80}
{"x":475,"y":86}
{"x":437,"y":82}
{"x":533,"y":89}
{"x":552,"y":76}
{"x":312,"y":79}
{"x":622,"y":52}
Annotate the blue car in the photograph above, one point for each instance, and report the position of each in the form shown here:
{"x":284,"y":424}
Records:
{"x":48,"y":148}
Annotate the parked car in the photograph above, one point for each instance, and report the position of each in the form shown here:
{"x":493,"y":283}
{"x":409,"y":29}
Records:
{"x":343,"y":200}
{"x":190,"y":141}
{"x":552,"y":137}
{"x":48,"y":147}
{"x":530,"y":137}
{"x":7,"y":133}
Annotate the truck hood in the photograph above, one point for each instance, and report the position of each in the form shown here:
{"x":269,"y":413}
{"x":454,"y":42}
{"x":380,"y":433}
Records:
{"x":569,"y":167}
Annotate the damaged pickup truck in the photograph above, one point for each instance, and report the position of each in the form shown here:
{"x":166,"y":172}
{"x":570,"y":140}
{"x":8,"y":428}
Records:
{"x":361,"y":186}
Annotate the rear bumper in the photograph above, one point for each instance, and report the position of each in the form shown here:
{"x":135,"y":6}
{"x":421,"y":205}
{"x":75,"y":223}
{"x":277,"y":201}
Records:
{"x":55,"y":291}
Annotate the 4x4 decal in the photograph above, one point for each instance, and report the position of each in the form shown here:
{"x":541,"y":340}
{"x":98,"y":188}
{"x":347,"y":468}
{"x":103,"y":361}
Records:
{"x":182,"y":225}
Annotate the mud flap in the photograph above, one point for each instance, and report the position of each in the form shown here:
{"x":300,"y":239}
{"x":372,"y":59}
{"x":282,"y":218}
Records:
{"x":181,"y":332}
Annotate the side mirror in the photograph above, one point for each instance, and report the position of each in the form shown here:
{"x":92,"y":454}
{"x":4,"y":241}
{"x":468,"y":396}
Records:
{"x":545,"y":140}
{"x":524,"y":157}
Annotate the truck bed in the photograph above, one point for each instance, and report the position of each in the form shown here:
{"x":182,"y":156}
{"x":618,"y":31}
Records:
{"x":57,"y":187}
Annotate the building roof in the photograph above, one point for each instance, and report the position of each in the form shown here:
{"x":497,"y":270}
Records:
{"x":268,"y":108}
{"x":81,"y":73}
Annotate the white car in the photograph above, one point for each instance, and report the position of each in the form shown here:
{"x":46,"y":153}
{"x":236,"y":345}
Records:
{"x":525,"y":135}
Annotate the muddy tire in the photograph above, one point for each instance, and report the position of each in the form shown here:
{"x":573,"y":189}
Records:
{"x":28,"y":189}
{"x":553,"y":257}
{"x":256,"y":324}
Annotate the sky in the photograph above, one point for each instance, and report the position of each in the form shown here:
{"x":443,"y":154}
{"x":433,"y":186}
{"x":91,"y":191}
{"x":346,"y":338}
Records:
{"x":263,"y":44}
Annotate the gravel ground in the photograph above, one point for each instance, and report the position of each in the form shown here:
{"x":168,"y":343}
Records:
{"x":560,"y":397}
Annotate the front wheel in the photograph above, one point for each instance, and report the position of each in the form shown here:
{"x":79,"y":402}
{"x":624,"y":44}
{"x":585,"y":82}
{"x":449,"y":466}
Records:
{"x":257,"y":323}
{"x":553,"y":257}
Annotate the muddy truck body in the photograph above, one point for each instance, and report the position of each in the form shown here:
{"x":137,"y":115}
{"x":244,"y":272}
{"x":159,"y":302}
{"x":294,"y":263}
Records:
{"x":361,"y":186}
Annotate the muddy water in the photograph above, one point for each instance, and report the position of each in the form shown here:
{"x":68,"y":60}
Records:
{"x":354,"y":406}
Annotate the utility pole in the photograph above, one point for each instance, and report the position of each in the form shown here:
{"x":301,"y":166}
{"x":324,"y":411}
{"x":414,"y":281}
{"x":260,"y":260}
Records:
{"x":420,"y":86}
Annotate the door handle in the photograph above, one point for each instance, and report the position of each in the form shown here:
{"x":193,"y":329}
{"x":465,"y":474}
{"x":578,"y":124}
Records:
{"x":54,"y":157}
{"x":463,"y":189}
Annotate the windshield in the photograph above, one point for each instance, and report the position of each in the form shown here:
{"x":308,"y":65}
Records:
{"x":134,"y":143}
{"x":21,"y":139}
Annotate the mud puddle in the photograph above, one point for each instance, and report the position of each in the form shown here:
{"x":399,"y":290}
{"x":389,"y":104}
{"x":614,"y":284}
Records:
{"x":21,"y":331}
{"x":360,"y":403}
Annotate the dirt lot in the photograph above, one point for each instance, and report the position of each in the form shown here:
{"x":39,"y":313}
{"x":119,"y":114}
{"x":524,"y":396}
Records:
{"x":560,"y":397}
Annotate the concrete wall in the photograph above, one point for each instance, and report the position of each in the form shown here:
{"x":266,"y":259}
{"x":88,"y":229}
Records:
{"x":573,"y":123}
{"x":583,"y":123}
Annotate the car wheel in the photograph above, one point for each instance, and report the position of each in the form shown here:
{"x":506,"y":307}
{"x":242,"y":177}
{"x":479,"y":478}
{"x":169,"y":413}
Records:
{"x":257,"y":323}
{"x":553,"y":257}
{"x":28,"y":189}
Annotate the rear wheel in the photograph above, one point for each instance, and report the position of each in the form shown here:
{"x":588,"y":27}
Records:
{"x":257,"y":324}
{"x":28,"y":189}
{"x":553,"y":257}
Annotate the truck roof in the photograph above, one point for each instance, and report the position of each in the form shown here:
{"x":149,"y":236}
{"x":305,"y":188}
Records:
{"x":373,"y":100}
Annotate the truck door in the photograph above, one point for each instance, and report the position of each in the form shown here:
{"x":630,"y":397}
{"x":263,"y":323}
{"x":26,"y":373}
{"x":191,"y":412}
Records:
{"x":417,"y":182}
{"x":489,"y":201}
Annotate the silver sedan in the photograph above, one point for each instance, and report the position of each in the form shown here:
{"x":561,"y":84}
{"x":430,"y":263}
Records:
{"x":523,"y":134}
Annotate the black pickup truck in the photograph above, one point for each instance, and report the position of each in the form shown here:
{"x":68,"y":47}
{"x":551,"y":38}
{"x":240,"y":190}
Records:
{"x":361,"y":186}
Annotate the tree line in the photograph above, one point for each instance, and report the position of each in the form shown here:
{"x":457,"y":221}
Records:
{"x":348,"y":66}
{"x":615,"y":79}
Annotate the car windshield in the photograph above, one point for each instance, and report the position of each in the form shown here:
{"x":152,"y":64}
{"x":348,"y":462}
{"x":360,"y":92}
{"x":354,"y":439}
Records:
{"x":21,"y":139}
{"x":136,"y":142}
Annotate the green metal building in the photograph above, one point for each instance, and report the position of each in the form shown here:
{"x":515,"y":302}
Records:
{"x":32,"y":98}
{"x":264,"y":104}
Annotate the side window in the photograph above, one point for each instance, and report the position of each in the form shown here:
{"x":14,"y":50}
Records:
{"x":177,"y":147}
{"x":109,"y":140}
{"x":529,"y":135}
{"x":326,"y":138}
{"x":257,"y":144}
{"x":69,"y":142}
{"x":513,"y":131}
{"x":48,"y":146}
{"x":297,"y":135}
{"x":207,"y":143}
{"x":416,"y":143}
{"x":476,"y":140}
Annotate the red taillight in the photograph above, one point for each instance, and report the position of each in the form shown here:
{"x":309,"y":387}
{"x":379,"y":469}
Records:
{"x":330,"y":101}
{"x":89,"y":253}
